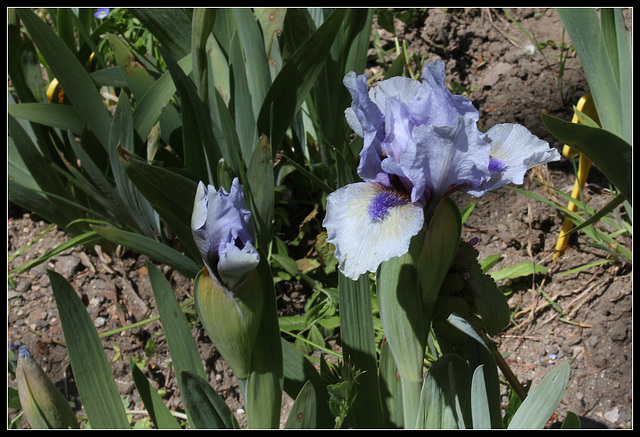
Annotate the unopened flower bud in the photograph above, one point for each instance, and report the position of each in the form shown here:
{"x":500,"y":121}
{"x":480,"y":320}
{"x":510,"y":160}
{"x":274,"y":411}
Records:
{"x":43,"y":404}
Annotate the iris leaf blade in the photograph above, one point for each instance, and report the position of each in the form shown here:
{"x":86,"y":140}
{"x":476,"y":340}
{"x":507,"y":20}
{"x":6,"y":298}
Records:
{"x":92,"y":372}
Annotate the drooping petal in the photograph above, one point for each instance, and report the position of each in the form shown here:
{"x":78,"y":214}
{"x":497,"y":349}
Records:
{"x":236,"y":263}
{"x":514,"y":150}
{"x":369,"y":223}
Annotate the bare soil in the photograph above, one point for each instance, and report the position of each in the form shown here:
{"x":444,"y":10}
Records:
{"x":484,"y":51}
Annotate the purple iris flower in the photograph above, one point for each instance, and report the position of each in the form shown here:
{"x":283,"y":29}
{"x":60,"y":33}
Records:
{"x":421,"y":143}
{"x":222,"y":230}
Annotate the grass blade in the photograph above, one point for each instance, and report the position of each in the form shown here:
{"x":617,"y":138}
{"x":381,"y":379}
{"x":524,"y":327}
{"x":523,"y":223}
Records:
{"x":158,"y":411}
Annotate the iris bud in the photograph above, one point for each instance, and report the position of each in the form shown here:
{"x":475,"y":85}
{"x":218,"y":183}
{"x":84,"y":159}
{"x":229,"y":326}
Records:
{"x":43,"y":404}
{"x":228,"y":293}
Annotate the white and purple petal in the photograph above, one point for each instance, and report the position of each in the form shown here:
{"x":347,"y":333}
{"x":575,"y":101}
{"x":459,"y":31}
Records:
{"x":514,"y":150}
{"x":369,"y":224}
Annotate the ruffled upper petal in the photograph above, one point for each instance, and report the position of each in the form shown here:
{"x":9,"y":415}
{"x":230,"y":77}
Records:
{"x":435,"y":104}
{"x":368,"y":224}
{"x":367,"y":121}
{"x":446,"y":158}
{"x":514,"y":150}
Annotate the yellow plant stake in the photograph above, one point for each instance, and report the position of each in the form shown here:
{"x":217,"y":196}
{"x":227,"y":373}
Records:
{"x":587,"y":107}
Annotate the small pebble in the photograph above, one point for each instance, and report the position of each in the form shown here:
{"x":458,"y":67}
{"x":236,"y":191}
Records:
{"x":612,"y":415}
{"x":99,"y":322}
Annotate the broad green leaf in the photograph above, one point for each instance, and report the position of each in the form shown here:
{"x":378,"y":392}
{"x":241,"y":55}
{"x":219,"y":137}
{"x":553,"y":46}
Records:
{"x":208,"y":410}
{"x":40,"y":169}
{"x":445,"y":394}
{"x":158,"y":411}
{"x":155,"y":102}
{"x":585,"y":31}
{"x":297,"y":371}
{"x":390,"y":388}
{"x":171,"y":26}
{"x":224,"y":28}
{"x":154,"y":249}
{"x":200,"y":148}
{"x":479,"y":402}
{"x":264,"y":386}
{"x":357,"y":36}
{"x":240,"y":104}
{"x":23,"y":65}
{"x":64,"y":24}
{"x":405,"y":323}
{"x":73,"y":78}
{"x":232,"y":151}
{"x":480,"y":356}
{"x":571,"y":421}
{"x":91,"y":370}
{"x":542,"y":400}
{"x":625,"y":60}
{"x":182,"y":345}
{"x":33,"y":200}
{"x":490,"y":261}
{"x":608,"y":151}
{"x":170,"y":194}
{"x":272,"y":22}
{"x":258,"y":76}
{"x":140,"y":82}
{"x":359,"y":351}
{"x":135,"y":206}
{"x":61,"y":116}
{"x":110,"y":76}
{"x":201,"y":26}
{"x":440,"y":247}
{"x":292,"y":85}
{"x":304,"y":409}
{"x":464,"y":326}
{"x":261,"y":189}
